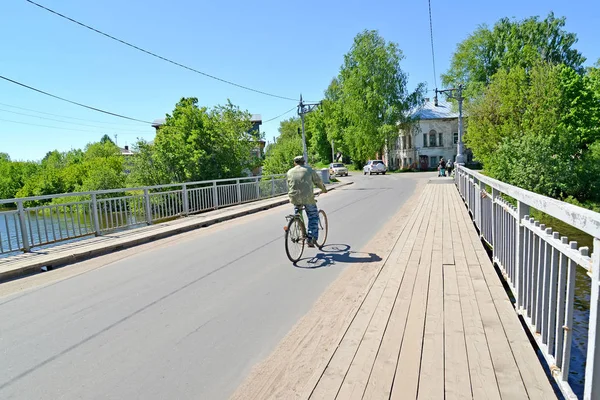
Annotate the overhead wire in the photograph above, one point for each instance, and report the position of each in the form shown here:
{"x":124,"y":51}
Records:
{"x":157,"y":55}
{"x":74,"y":102}
{"x":281,"y":115}
{"x":67,"y":129}
{"x":71,"y":123}
{"x":432,"y":51}
{"x":62,"y":116}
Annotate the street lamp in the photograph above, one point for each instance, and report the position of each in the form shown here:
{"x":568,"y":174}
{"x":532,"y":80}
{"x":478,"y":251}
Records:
{"x":303,"y":109}
{"x":460,"y":158}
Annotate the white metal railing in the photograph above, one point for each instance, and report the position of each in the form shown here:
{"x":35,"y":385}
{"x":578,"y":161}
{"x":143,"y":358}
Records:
{"x":44,"y":220}
{"x":539,"y":266}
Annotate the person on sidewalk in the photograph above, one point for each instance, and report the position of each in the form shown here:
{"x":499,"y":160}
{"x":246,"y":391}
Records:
{"x":300,"y":181}
{"x":442,"y":167}
{"x":449,"y":167}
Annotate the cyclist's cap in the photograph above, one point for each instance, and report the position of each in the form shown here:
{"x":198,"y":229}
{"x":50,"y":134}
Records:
{"x":299,"y":160}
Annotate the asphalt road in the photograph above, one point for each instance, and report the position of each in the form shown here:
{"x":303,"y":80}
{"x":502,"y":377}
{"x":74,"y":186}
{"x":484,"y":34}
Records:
{"x":185,"y":318}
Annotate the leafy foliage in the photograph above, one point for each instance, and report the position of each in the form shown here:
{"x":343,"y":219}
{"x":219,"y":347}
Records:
{"x":369,"y":97}
{"x":511,"y":44}
{"x":197,"y":144}
{"x":538,"y":128}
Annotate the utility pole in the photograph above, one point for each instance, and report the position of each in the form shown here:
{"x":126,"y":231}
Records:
{"x":460,"y":157}
{"x":332,"y":152}
{"x":303,"y":109}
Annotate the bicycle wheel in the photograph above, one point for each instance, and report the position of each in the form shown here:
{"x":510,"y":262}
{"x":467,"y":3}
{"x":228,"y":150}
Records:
{"x":294,"y":239}
{"x":323,"y":228}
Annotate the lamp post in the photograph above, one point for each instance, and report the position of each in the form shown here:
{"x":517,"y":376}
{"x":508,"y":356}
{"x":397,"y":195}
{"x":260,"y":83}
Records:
{"x":460,"y":157}
{"x":303,"y":109}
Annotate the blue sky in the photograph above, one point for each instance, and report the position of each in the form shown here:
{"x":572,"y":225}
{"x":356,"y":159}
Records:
{"x":282,"y":47}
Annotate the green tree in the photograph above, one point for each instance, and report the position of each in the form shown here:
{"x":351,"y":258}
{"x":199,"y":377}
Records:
{"x":198,"y":144}
{"x":511,"y":44}
{"x":290,"y":127}
{"x":106,"y":139}
{"x":371,"y":95}
{"x":535,"y":127}
{"x":319,"y":144}
{"x":279,"y":156}
{"x":13,"y":175}
{"x":98,"y":167}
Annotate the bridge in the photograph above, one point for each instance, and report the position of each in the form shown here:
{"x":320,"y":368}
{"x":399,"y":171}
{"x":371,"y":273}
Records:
{"x":431,"y":288}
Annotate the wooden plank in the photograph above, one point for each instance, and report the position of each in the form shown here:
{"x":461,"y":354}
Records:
{"x":384,"y":368}
{"x":431,"y":375}
{"x":329,"y":383}
{"x":506,"y":371}
{"x":457,"y":382}
{"x":446,"y":234}
{"x":533,"y":376}
{"x":301,"y":357}
{"x":481,"y":368}
{"x":409,"y":361}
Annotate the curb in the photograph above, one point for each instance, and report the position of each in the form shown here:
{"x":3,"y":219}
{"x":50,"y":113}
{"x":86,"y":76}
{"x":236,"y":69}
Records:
{"x":64,"y":260}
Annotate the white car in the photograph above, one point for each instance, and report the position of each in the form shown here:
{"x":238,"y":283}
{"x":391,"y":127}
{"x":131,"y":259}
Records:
{"x":338,"y":169}
{"x":375,"y":167}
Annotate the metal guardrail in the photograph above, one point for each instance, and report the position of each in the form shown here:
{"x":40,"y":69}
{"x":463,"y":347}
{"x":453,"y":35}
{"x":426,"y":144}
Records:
{"x":539,"y":266}
{"x":44,"y":220}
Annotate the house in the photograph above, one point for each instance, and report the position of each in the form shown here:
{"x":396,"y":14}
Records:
{"x":157,"y":123}
{"x":256,"y":121}
{"x":126,"y":151}
{"x":433,"y":136}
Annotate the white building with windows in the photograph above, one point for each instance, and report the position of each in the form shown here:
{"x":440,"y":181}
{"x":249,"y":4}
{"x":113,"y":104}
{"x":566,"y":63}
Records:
{"x":434,"y":136}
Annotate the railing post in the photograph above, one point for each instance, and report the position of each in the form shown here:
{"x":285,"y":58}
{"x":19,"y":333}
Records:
{"x":272,"y":186}
{"x":24,"y":236}
{"x":95,"y":219}
{"x":238,"y":188}
{"x":477,"y":203}
{"x":147,"y":207}
{"x":592,"y":368}
{"x":494,"y":222}
{"x":184,"y":196}
{"x":257,"y":189}
{"x":522,"y":212}
{"x":215,"y":196}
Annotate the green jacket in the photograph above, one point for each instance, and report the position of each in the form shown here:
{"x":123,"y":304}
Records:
{"x":300,"y":185}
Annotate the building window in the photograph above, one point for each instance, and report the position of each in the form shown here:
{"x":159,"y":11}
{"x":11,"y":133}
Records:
{"x":433,"y":161}
{"x":409,"y":161}
{"x":432,"y":138}
{"x":441,"y":139}
{"x":403,"y":142}
{"x":409,"y":142}
{"x":455,"y":137}
{"x":424,"y":140}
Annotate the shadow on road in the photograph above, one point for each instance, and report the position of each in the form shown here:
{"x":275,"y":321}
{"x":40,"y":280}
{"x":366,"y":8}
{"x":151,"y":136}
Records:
{"x":336,"y":253}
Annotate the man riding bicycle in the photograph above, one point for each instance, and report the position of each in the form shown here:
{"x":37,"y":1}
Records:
{"x":300,"y":181}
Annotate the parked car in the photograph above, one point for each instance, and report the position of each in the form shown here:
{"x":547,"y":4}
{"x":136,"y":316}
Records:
{"x":338,"y":169}
{"x":375,"y":167}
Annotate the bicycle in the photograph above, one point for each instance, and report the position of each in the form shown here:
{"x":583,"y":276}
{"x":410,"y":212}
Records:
{"x":295,"y":233}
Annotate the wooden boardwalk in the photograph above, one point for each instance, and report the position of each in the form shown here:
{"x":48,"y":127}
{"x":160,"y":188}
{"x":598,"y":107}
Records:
{"x":436,"y":323}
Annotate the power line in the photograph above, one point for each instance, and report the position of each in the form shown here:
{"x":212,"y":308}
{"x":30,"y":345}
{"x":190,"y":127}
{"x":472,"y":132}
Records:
{"x":156,"y":55}
{"x":432,"y":52}
{"x":64,"y":129}
{"x":281,"y":115}
{"x":60,"y":116}
{"x":73,"y":102}
{"x":72,"y":123}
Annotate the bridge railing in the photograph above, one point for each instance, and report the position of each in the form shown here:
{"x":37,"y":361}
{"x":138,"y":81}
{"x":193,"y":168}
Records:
{"x":44,"y":220}
{"x":540,"y":266}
